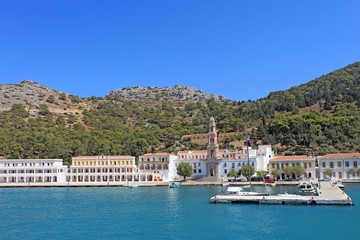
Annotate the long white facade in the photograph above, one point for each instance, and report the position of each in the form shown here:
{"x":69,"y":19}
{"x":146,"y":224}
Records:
{"x":340,"y":165}
{"x":32,"y":171}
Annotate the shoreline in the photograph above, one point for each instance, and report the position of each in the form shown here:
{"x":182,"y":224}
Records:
{"x":149,"y":184}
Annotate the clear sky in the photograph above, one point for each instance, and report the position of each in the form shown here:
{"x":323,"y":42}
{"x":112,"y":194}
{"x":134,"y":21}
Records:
{"x":239,"y":49}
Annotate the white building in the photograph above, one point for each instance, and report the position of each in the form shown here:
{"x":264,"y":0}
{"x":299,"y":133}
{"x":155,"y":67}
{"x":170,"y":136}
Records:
{"x":32,"y":170}
{"x":156,"y":166}
{"x":340,"y":164}
{"x":196,"y":158}
{"x":217,"y":162}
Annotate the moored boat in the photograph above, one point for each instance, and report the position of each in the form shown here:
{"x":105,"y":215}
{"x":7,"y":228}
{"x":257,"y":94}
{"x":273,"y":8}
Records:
{"x":306,"y":188}
{"x":174,"y":185}
{"x":239,"y":192}
{"x":133,"y":185}
{"x":340,"y":185}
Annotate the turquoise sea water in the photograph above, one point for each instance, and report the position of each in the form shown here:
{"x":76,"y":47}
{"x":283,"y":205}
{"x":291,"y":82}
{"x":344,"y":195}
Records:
{"x":164,"y":213}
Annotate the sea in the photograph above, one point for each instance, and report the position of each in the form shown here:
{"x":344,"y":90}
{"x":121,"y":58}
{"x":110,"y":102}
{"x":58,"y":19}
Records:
{"x":166,"y":213}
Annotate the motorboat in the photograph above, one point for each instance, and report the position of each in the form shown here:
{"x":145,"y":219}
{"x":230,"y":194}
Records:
{"x":306,"y":188}
{"x":340,"y":185}
{"x":238,"y":191}
{"x":174,"y":185}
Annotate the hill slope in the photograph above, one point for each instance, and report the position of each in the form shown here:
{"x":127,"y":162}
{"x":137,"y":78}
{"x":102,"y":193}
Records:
{"x":319,"y":117}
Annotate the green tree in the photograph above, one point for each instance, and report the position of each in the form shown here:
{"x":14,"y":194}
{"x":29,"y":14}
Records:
{"x":275,"y":173}
{"x":184,"y":170}
{"x":352,"y":172}
{"x":245,"y":170}
{"x":288,"y":171}
{"x":358,"y":171}
{"x":299,"y":171}
{"x":233,"y":173}
{"x":328,"y":172}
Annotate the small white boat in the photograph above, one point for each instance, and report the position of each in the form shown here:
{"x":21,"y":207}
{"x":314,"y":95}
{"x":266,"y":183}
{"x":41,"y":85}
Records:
{"x":306,"y":188}
{"x":174,"y":185}
{"x":340,"y":185}
{"x":133,"y":185}
{"x":239,"y":192}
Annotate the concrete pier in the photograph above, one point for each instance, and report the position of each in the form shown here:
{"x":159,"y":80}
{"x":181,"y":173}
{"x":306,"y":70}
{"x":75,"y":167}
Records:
{"x":328,"y":195}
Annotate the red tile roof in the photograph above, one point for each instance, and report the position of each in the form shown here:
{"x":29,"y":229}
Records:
{"x":102,"y":157}
{"x":341,"y":155}
{"x":156,"y":154}
{"x":193,"y":152}
{"x":292,"y":158}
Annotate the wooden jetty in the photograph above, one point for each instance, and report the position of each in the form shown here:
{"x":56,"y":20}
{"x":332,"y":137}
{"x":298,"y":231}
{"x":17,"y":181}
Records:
{"x":328,"y":195}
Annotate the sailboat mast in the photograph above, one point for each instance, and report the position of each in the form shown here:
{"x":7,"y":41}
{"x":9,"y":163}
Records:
{"x":248,"y":155}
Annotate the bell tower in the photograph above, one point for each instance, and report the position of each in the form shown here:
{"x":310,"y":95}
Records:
{"x":213,"y":146}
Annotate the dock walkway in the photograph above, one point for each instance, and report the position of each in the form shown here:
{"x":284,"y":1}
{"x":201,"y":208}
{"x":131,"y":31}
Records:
{"x":328,"y":195}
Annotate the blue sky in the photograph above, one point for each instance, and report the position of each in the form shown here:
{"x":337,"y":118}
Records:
{"x":239,"y":49}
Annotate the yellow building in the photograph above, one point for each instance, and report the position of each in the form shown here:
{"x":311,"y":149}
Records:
{"x":103,"y":169}
{"x":279,"y":163}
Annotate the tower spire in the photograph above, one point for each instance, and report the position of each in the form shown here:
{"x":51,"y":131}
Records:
{"x":213,"y":146}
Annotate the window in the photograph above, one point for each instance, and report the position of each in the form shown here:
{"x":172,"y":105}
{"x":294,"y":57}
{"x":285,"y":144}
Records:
{"x":305,"y":165}
{"x":224,"y":164}
{"x":199,"y":170}
{"x":339,"y":164}
{"x":225,"y":171}
{"x":331,"y":164}
{"x":347,"y":164}
{"x":194,"y":170}
{"x":355,"y":164}
{"x":323,"y":165}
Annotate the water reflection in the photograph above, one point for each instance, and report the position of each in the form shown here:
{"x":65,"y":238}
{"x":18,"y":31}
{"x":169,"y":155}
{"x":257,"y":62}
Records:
{"x":173,"y":201}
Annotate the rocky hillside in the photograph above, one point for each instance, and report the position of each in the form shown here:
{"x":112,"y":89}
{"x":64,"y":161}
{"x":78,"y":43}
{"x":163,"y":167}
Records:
{"x":175,"y":93}
{"x":32,"y":95}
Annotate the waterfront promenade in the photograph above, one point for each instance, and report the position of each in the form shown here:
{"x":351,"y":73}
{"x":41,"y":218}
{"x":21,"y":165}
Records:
{"x":152,"y":184}
{"x":125,"y":184}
